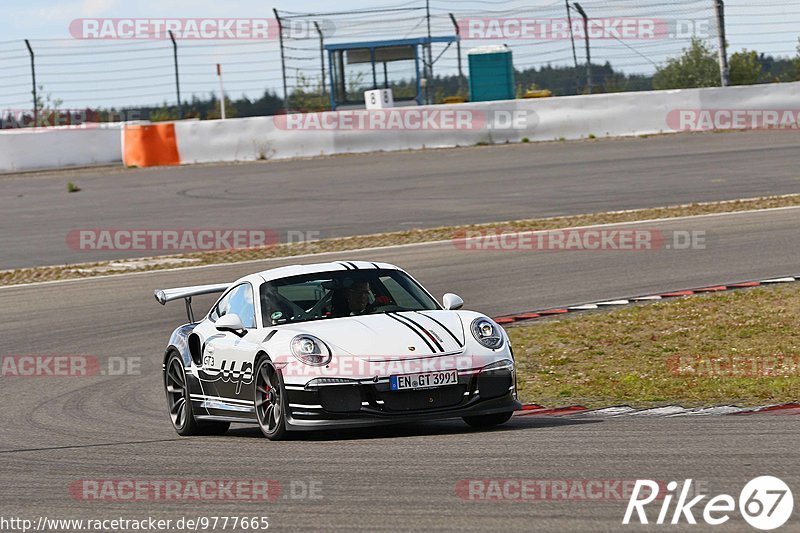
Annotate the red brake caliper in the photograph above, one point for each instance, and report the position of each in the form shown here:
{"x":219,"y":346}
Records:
{"x":267,"y":395}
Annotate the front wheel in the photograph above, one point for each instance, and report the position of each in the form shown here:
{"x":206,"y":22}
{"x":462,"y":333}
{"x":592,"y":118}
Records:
{"x":180,"y":404}
{"x":487,"y":421}
{"x":270,"y":400}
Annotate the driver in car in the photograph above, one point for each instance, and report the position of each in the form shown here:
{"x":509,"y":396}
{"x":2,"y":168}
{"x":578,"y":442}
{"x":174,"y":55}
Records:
{"x":358,"y":296}
{"x":354,"y":299}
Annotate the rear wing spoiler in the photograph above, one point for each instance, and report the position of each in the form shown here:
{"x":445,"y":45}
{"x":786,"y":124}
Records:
{"x":167,"y":295}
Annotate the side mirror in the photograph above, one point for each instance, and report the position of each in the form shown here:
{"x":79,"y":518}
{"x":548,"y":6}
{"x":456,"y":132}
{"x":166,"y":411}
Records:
{"x":231,"y":323}
{"x":452,"y":301}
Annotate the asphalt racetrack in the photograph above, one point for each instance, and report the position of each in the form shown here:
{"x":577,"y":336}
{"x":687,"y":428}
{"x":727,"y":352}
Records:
{"x":57,"y":431}
{"x":354,"y":195}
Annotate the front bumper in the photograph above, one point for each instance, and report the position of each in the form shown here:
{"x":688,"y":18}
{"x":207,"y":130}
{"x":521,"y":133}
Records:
{"x":371,"y":402}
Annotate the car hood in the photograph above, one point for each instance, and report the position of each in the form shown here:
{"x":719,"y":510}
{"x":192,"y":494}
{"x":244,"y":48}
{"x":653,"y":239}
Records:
{"x":392,"y":336}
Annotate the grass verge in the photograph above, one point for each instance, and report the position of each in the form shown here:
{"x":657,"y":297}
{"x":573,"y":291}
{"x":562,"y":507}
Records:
{"x":86,"y":270}
{"x":740,"y":347}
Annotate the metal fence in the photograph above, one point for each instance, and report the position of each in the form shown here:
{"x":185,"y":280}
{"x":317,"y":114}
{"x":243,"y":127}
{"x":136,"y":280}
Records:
{"x":118,"y":70}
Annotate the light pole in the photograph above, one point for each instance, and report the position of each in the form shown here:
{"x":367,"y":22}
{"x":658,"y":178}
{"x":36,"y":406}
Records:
{"x":580,"y":10}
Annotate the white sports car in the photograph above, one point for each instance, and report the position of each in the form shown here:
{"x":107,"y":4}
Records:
{"x":333,"y":345}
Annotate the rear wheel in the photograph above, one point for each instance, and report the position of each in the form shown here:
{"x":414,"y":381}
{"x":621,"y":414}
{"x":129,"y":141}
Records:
{"x":270,"y":400}
{"x":487,"y":421}
{"x":180,"y":405}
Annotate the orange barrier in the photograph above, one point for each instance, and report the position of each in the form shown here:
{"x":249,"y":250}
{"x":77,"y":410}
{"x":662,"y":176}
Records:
{"x":150,"y":145}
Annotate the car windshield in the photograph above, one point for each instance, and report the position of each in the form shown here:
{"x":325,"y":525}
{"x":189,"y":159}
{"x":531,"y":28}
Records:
{"x":339,"y":294}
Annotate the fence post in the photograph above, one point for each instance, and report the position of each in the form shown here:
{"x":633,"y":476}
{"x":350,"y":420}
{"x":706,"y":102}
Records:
{"x":458,"y":48}
{"x":580,"y":10}
{"x":724,"y":72}
{"x":283,"y":60}
{"x":177,"y":77}
{"x":33,"y":77}
{"x":574,"y":52}
{"x":323,"y":83}
{"x":429,"y":63}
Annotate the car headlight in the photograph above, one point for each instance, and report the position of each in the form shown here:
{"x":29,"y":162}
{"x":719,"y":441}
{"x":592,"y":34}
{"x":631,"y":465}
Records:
{"x":310,"y":350}
{"x":505,"y":364}
{"x":323,"y":382}
{"x":487,"y":333}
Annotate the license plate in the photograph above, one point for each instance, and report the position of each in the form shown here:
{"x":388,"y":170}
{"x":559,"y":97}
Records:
{"x":423,"y":381}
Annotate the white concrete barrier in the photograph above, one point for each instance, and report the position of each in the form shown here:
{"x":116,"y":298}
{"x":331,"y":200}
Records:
{"x":245,"y":139}
{"x":408,"y":128}
{"x":641,"y":113}
{"x":43,"y":148}
{"x":571,"y":117}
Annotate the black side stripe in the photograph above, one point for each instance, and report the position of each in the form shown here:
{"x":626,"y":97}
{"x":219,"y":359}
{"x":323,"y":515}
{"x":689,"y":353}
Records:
{"x":423,"y":330}
{"x":345,"y":265}
{"x":352,"y":265}
{"x":443,"y":327}
{"x":409,"y":326}
{"x":375,"y":265}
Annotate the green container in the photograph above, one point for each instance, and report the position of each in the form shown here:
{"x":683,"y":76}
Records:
{"x":491,"y":74}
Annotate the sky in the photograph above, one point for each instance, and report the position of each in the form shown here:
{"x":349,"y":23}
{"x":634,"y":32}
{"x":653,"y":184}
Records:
{"x":105,"y":73}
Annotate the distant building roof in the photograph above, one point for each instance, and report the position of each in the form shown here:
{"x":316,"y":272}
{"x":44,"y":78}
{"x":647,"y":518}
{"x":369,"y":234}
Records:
{"x":391,"y":42}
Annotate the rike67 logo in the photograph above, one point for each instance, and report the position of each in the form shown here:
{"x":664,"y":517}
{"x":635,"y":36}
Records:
{"x":765,"y":503}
